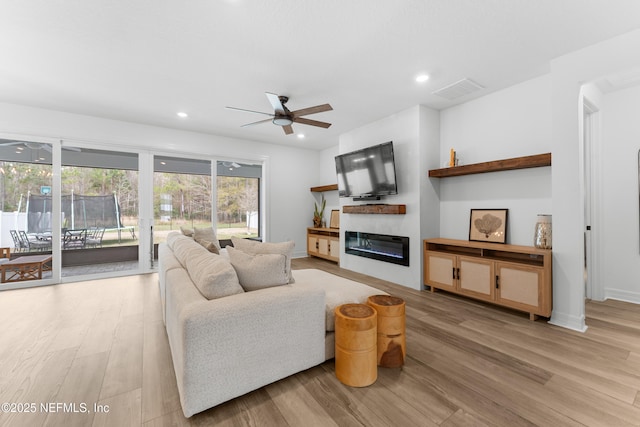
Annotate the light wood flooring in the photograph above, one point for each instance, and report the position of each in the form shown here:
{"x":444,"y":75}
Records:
{"x":468,"y":364}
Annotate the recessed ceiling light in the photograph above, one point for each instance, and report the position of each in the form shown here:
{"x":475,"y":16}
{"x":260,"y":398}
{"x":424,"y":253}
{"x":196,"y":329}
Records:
{"x":182,"y":114}
{"x":163,"y":163}
{"x":301,"y":135}
{"x":422,"y":78}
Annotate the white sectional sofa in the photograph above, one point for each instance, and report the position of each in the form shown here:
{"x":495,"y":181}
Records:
{"x":226,"y":341}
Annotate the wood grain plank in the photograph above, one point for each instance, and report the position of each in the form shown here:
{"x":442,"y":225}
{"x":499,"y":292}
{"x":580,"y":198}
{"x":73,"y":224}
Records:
{"x":81,"y":386}
{"x":124,"y":369}
{"x":121,"y":410}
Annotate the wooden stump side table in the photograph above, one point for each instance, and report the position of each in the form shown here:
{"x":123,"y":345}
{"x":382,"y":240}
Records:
{"x":356,"y":363}
{"x":391,"y":349}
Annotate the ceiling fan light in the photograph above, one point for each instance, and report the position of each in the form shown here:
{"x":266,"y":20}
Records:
{"x":282,"y":121}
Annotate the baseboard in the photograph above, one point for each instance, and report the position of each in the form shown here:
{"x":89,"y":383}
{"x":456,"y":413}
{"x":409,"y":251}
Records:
{"x":576,"y":323}
{"x":622,"y":295}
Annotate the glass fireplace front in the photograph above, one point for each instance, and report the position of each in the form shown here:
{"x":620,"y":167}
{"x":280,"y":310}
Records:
{"x":382,"y":247}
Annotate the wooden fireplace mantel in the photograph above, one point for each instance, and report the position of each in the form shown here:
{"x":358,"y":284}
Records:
{"x":375,"y":209}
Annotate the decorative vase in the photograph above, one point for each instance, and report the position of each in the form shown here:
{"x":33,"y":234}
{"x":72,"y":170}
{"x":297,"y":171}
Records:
{"x":317,"y":222}
{"x":543,"y":234}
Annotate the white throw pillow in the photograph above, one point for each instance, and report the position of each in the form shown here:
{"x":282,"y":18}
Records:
{"x":254,"y":247}
{"x":207,"y":233}
{"x":258,"y":271}
{"x":213,"y":275}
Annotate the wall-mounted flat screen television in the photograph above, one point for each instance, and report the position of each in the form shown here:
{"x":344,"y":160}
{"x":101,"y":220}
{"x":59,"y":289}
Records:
{"x":367,"y":174}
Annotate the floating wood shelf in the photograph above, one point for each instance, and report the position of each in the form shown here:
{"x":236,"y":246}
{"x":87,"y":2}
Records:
{"x":322,"y":188}
{"x":375,"y":209}
{"x":535,"y":161}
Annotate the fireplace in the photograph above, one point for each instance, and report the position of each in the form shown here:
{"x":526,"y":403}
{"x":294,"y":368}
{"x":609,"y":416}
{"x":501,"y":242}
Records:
{"x":382,"y":247}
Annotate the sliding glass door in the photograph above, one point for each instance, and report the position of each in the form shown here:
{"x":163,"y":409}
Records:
{"x":182,"y":195}
{"x":99,"y":223}
{"x":28,"y":236}
{"x":87,"y":211}
{"x":238,"y":200}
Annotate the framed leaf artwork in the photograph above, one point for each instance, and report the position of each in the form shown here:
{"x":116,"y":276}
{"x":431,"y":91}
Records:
{"x":488,"y":225}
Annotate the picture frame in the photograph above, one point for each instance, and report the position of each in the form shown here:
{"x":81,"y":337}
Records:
{"x":334,"y":220}
{"x":488,"y":225}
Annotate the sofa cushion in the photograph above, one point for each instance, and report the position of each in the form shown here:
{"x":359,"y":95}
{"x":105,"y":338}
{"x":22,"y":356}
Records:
{"x":207,"y":234}
{"x":185,"y":248}
{"x":338,"y":291}
{"x":174,"y":236}
{"x":213,"y":275}
{"x":258,"y":271}
{"x":254,"y":247}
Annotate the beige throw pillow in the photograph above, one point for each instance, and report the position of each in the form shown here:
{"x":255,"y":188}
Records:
{"x":258,"y":271}
{"x":210,"y":246}
{"x":207,"y":234}
{"x":213,"y":275}
{"x":186,"y":231}
{"x":254,"y":247}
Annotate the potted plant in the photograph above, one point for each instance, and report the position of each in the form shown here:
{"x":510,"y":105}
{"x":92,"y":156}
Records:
{"x":318,"y":213}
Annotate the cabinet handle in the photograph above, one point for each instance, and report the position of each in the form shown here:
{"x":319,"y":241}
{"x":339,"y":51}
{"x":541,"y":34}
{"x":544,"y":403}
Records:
{"x":497,"y":282}
{"x":317,"y":245}
{"x":453,"y":273}
{"x":458,"y":271}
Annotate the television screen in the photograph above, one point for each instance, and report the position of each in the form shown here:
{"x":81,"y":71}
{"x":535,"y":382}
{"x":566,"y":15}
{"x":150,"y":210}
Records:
{"x":367,"y":173}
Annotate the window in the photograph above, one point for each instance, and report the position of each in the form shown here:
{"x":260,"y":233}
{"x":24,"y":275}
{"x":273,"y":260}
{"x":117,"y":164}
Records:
{"x":238,"y":204}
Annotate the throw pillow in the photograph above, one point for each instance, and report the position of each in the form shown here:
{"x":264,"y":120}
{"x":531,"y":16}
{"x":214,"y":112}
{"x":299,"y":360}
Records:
{"x":254,"y":247}
{"x":210,"y":246}
{"x":186,"y":231}
{"x":206,"y":233}
{"x":258,"y":271}
{"x":213,"y":275}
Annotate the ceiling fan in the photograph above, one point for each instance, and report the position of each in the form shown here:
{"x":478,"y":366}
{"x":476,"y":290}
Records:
{"x":281,"y":115}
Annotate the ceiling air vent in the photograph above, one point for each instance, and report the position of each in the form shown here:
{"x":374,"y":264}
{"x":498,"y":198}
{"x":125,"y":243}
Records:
{"x":460,"y":88}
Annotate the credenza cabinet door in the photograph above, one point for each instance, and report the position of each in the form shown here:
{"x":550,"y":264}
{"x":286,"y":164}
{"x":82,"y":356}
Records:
{"x":312,"y":245}
{"x":477,"y":278}
{"x":440,"y":270}
{"x":521,"y":287}
{"x":334,"y":248}
{"x":323,"y":246}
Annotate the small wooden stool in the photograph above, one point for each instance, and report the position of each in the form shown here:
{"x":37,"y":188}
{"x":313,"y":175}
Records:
{"x":356,"y":345}
{"x":391,"y":330}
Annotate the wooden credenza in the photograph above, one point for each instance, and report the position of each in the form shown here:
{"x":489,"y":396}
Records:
{"x":514,"y":276}
{"x":324,"y":243}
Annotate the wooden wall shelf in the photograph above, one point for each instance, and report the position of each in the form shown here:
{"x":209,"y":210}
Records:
{"x":535,"y":161}
{"x":322,"y":188}
{"x":375,"y":209}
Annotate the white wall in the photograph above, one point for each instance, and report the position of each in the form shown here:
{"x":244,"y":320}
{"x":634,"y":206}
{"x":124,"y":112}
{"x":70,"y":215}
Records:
{"x":327,"y":176}
{"x":569,"y":73}
{"x":510,"y":123}
{"x":287,"y":200}
{"x":410,"y":144}
{"x":619,"y":204}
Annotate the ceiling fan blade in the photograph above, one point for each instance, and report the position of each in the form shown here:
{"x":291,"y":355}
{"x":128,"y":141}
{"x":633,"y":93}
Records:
{"x":255,"y":123}
{"x":248,"y":111}
{"x":310,"y":122}
{"x":275,"y":103}
{"x":288,"y":130}
{"x":312,"y":110}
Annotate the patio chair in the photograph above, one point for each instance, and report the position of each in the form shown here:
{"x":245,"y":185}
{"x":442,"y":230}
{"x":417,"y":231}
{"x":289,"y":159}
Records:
{"x":74,"y":239}
{"x":94,"y":237}
{"x":18,"y":245}
{"x":34,"y":244}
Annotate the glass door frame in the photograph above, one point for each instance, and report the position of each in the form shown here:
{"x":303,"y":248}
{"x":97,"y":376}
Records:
{"x":56,"y":208}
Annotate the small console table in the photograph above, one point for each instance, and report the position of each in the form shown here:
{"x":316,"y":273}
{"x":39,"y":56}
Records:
{"x":324,"y":243}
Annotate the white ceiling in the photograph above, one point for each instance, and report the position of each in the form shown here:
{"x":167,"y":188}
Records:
{"x":144,"y":60}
